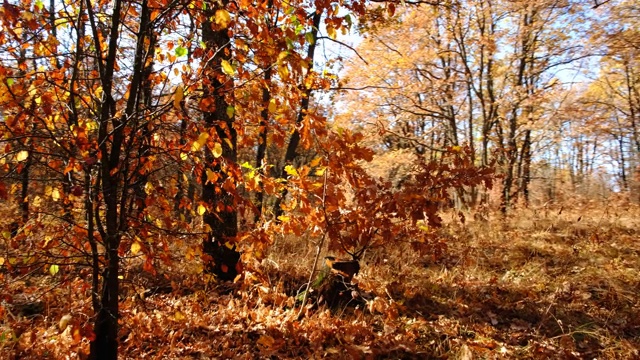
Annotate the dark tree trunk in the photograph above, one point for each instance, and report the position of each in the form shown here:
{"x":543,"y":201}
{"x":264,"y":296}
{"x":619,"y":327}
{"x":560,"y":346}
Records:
{"x":222,"y":217}
{"x":262,"y":138}
{"x":24,"y":193}
{"x":294,"y":141}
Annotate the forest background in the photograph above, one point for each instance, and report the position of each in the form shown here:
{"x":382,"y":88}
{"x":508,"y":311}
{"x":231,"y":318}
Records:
{"x":172,"y":172}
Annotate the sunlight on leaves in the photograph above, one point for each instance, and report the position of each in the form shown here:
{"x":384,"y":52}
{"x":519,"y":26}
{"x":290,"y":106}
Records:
{"x":22,"y":155}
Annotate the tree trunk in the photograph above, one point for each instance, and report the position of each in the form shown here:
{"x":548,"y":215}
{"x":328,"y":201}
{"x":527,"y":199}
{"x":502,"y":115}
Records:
{"x":292,"y":147}
{"x":262,"y":138}
{"x":222,"y":217}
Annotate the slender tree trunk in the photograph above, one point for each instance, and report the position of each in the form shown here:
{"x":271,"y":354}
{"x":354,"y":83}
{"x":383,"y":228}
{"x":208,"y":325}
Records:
{"x":292,"y":147}
{"x":110,"y":138}
{"x":262,"y":139}
{"x":511,"y":155}
{"x":526,"y":166}
{"x":24,"y":193}
{"x":145,"y":52}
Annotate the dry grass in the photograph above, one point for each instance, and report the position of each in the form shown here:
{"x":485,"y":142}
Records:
{"x":543,"y":283}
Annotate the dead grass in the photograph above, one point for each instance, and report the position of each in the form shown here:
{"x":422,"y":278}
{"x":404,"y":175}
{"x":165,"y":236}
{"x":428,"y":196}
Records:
{"x":543,"y":283}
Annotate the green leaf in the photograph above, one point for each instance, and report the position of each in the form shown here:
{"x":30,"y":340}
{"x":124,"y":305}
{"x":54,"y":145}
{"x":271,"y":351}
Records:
{"x":230,"y":111}
{"x":10,"y":81}
{"x":347,"y":18}
{"x":181,"y":51}
{"x":309,"y":37}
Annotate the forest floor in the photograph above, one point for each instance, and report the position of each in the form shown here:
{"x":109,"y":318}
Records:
{"x":541,"y":284}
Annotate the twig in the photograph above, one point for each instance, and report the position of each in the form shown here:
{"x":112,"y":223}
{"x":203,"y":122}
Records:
{"x":318,"y":250}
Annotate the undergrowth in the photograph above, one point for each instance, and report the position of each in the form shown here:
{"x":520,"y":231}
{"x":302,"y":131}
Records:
{"x":541,"y":283}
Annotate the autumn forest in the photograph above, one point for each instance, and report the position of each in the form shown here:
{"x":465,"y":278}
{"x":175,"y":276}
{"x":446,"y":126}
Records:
{"x":350,"y":179}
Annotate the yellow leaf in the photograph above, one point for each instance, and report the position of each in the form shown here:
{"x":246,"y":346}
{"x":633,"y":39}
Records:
{"x":331,"y":31}
{"x":55,"y":194}
{"x":201,"y":210}
{"x":183,"y":156}
{"x":202,"y":139}
{"x":22,"y":155}
{"x":64,"y":321}
{"x":217,"y":150}
{"x":178,"y":97}
{"x":283,"y":55}
{"x":227,"y":68}
{"x":179,"y":316}
{"x":283,"y":71}
{"x":272,"y":106}
{"x":283,"y":218}
{"x":223,"y":18}
{"x":290,"y":170}
{"x":228,"y":143}
{"x":53,"y":269}
{"x":135,"y":248}
{"x":1,"y":261}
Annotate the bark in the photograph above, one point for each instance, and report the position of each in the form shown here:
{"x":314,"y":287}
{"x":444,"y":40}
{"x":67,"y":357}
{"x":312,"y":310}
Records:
{"x":262,"y":138}
{"x":222,"y":217}
{"x":143,"y":103}
{"x":294,"y":141}
{"x":526,"y":167}
{"x":24,"y":193}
